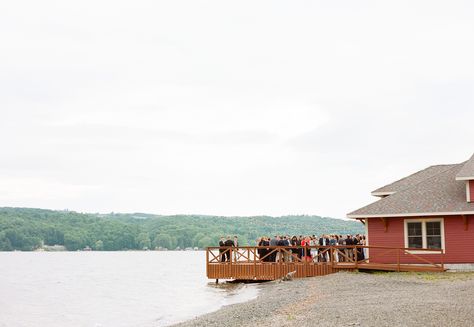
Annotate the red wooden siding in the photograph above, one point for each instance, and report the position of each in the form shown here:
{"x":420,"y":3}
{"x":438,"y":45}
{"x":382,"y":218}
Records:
{"x":471,"y":189}
{"x":459,"y":243}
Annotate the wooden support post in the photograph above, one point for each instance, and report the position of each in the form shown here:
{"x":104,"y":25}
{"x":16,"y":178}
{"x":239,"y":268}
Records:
{"x":442,"y":259}
{"x":331,"y":254}
{"x":255,"y":262}
{"x":465,"y":221}
{"x":207,"y":262}
{"x":355,"y":256}
{"x":385,"y":224}
{"x":398,"y":260}
{"x":231,"y":253}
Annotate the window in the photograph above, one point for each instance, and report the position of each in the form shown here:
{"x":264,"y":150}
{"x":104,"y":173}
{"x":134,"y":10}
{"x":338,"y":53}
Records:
{"x":433,"y":234}
{"x":424,"y":233}
{"x":415,"y":235}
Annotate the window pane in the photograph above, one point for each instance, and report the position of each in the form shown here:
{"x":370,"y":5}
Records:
{"x":433,"y":242}
{"x":414,"y":229}
{"x":433,"y":228}
{"x":415,"y":242}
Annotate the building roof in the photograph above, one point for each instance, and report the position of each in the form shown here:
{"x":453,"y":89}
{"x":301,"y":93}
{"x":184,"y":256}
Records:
{"x":439,"y":194}
{"x":411,"y":180}
{"x":467,"y":171}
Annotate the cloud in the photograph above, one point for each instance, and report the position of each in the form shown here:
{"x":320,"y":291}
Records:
{"x":219,"y":108}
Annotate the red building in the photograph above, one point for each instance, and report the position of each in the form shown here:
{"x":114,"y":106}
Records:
{"x":430,"y":209}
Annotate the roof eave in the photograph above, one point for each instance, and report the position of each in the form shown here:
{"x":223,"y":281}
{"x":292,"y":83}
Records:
{"x":415,"y":214}
{"x":381,"y":193}
{"x":464,"y":178}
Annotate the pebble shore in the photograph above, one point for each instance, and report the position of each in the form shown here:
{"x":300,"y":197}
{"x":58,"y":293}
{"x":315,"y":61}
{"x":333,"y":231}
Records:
{"x":355,"y":299}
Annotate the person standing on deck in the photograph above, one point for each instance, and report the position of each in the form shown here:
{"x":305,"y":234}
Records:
{"x":294,"y":250}
{"x":305,"y":243}
{"x":349,"y":249}
{"x":259,"y":243}
{"x":236,"y":245}
{"x":300,"y":250}
{"x":273,"y":242}
{"x":221,"y":250}
{"x":323,"y":241}
{"x":265,"y":251}
{"x":287,"y":252}
{"x":314,"y":251}
{"x":342,"y":250}
{"x":228,"y":243}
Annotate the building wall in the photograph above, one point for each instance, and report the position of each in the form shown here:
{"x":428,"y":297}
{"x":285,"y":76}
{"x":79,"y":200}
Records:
{"x":459,"y":243}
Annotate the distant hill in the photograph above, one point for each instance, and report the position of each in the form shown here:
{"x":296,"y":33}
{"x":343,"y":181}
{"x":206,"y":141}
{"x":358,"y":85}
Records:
{"x":28,"y":229}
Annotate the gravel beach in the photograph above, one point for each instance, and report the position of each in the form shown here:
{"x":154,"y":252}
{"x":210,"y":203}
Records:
{"x":355,"y":299}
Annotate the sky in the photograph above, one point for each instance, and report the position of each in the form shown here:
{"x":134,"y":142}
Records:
{"x":229,"y":108}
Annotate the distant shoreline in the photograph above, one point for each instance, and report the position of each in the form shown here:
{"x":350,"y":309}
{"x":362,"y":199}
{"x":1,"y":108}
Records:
{"x":354,"y":299}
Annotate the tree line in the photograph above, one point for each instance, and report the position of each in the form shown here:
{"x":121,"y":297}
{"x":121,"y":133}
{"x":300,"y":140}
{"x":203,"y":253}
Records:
{"x":28,"y":229}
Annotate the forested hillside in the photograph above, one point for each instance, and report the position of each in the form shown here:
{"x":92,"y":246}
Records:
{"x":28,"y":229}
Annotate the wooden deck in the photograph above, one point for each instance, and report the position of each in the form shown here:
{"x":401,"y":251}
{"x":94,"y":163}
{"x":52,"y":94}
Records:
{"x":270,"y":263}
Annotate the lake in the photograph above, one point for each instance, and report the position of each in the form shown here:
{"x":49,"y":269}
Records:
{"x":109,"y":289}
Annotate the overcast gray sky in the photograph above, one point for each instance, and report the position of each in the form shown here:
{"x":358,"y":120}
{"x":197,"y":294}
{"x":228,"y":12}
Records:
{"x":229,"y":108}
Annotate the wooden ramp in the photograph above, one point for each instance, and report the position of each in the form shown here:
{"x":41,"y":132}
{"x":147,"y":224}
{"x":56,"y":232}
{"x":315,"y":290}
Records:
{"x":270,"y":263}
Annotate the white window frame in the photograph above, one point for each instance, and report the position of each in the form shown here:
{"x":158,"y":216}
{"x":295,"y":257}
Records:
{"x":423,"y":234}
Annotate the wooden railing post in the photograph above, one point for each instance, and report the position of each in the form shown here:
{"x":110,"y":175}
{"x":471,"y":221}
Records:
{"x":398,"y":259}
{"x":331,"y":254}
{"x":255,"y":262}
{"x":230,"y":262}
{"x":355,"y":256}
{"x":279,"y":262}
{"x":207,"y":262}
{"x":442,"y":259}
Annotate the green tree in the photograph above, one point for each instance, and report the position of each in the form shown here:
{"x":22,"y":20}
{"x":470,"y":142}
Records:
{"x":205,"y":242}
{"x":163,"y":240}
{"x":73,"y":241}
{"x":99,"y":245}
{"x":143,"y":240}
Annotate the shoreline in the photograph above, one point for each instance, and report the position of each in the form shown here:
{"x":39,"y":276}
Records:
{"x":354,"y":299}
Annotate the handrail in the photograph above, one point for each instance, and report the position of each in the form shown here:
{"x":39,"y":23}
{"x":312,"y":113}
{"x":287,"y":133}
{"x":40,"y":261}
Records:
{"x":326,"y":254}
{"x":324,"y":246}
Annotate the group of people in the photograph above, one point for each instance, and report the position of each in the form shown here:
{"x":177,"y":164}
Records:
{"x":302,"y":248}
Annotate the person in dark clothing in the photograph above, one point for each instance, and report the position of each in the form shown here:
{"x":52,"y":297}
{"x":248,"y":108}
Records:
{"x":360,"y":252}
{"x":349,"y":249}
{"x":294,"y":250}
{"x":282,"y":242}
{"x":228,"y":243}
{"x":259,"y":243}
{"x":221,"y":250}
{"x":342,"y":242}
{"x":323,"y":241}
{"x":274,"y":242}
{"x":301,"y":250}
{"x":265,"y":251}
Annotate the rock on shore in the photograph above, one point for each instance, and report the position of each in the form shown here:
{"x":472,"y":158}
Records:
{"x":355,"y":299}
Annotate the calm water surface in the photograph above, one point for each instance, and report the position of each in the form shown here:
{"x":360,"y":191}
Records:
{"x":109,"y":289}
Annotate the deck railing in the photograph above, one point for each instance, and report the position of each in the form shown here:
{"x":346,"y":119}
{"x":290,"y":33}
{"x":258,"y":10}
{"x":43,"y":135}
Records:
{"x":254,"y":261}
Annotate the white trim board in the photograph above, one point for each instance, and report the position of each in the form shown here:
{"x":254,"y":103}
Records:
{"x":468,"y":191}
{"x":464,"y":178}
{"x":415,"y":214}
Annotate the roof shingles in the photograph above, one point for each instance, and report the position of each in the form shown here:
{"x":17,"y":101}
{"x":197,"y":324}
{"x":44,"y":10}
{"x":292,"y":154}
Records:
{"x":438,"y":194}
{"x":467,"y":171}
{"x":411,"y":180}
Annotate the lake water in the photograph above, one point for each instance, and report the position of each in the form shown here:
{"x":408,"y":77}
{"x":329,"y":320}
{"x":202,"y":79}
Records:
{"x":109,"y":289}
